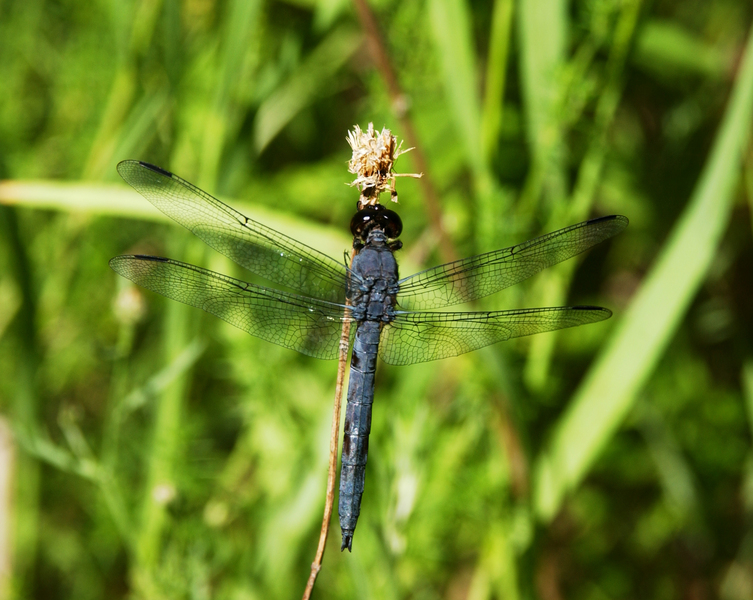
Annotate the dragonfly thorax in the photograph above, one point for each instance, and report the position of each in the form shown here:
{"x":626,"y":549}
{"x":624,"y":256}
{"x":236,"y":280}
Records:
{"x":375,"y":267}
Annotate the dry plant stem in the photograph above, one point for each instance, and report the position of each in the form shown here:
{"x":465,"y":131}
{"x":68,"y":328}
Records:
{"x":398,"y":100}
{"x":342,"y":363}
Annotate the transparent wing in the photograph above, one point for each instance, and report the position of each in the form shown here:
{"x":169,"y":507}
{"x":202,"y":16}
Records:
{"x":415,"y":337}
{"x":307,"y":325}
{"x":478,"y":276}
{"x":261,"y":250}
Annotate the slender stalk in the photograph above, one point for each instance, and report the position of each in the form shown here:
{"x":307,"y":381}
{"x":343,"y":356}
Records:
{"x":342,"y":363}
{"x":496,"y":72}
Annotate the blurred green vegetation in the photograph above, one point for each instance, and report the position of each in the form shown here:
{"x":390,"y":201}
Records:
{"x":153,"y":451}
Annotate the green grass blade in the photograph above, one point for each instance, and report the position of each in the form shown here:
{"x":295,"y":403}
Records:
{"x":451,"y":26}
{"x":496,"y":70}
{"x":310,"y":81}
{"x":452,"y":32}
{"x":221,"y":119}
{"x":122,"y":201}
{"x":542,"y":29}
{"x":609,"y":390}
{"x":665,"y":48}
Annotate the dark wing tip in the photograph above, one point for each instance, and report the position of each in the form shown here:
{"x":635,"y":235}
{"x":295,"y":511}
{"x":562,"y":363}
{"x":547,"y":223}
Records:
{"x":115,"y":263}
{"x":139,"y":257}
{"x":152,"y":258}
{"x":124,"y":165}
{"x":623,"y":220}
{"x":347,"y":541}
{"x":155,"y":168}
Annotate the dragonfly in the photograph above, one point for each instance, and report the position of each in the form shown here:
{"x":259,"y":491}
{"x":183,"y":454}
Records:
{"x":393,"y":318}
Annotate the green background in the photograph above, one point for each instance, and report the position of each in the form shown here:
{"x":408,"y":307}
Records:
{"x":148,"y":450}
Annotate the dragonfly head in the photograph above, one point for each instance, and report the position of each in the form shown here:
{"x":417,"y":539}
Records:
{"x":375,"y":217}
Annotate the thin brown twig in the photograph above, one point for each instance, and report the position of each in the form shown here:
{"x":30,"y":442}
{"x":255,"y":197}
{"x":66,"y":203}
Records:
{"x":342,"y":361}
{"x":400,"y":108}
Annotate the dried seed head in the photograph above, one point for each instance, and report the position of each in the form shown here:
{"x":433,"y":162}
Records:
{"x":374,"y":154}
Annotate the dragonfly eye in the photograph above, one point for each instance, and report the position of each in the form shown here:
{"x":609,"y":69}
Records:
{"x":379,"y":217}
{"x":392,"y":224}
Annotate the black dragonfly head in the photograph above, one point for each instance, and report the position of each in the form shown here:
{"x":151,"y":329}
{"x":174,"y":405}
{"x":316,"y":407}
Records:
{"x":376,"y":218}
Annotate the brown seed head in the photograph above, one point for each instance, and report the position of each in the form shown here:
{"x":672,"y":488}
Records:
{"x":374,"y":154}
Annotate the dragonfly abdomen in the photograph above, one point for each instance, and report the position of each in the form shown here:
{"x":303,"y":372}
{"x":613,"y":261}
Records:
{"x":357,"y":427}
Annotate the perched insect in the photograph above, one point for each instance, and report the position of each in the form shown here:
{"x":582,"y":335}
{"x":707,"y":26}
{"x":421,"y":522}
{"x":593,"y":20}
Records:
{"x":389,"y":313}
